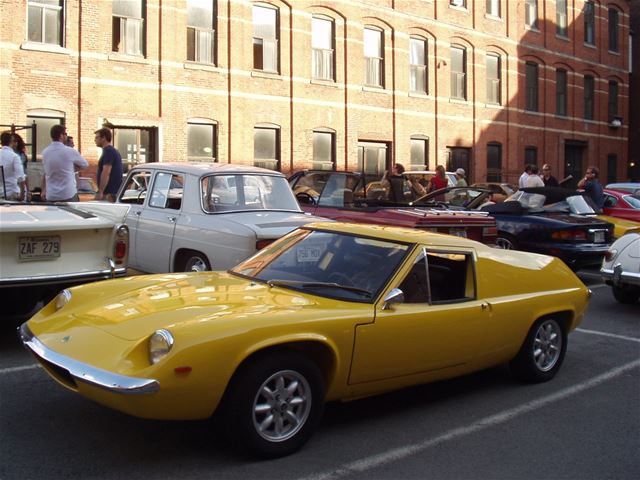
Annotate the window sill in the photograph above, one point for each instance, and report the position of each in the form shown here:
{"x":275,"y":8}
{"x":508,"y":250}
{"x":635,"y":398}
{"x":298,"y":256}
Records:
{"x":324,"y":83}
{"x":561,"y":116}
{"x":266,"y":74}
{"x":613,"y":52}
{"x":209,"y":67}
{"x":533,"y":112}
{"x":589,"y":45}
{"x":423,"y":95}
{"x":45,"y":47}
{"x":495,"y":106}
{"x":459,"y":8}
{"x":373,"y":89}
{"x":459,"y":101}
{"x":564,"y":38}
{"x":495,"y":18}
{"x":532,"y":29}
{"x":121,"y":57}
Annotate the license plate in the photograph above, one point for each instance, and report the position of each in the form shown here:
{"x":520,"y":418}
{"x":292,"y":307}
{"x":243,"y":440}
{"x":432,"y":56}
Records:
{"x":458,"y":232}
{"x":39,"y":248}
{"x":308,"y":254}
{"x":598,"y":237}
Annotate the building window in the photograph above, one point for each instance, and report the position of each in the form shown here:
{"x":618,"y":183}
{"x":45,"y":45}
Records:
{"x":265,"y":39}
{"x":322,"y":49}
{"x":493,"y":8}
{"x":373,"y":58}
{"x":127,"y":34}
{"x":589,"y":23}
{"x":530,"y":156}
{"x":612,"y":168}
{"x":419,"y":153}
{"x":42,"y":137}
{"x":201,"y":142}
{"x":136,"y":145}
{"x":45,"y":21}
{"x":458,"y":3}
{"x":589,"y":91}
{"x":613,"y":99}
{"x":561,"y":18}
{"x":372,"y":160}
{"x":561,"y":92}
{"x":458,"y":73}
{"x":494,"y":162}
{"x":324,"y":156}
{"x":531,"y":13}
{"x":266,"y":147}
{"x":494,"y":75}
{"x":201,"y":31}
{"x":613,"y":30}
{"x":418,"y":65}
{"x":531,"y":87}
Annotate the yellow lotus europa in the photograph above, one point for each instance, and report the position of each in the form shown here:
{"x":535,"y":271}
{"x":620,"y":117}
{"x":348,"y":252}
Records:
{"x":331,"y":311}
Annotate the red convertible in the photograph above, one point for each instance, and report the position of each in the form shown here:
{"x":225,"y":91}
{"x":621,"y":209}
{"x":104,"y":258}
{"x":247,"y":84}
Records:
{"x":621,"y":204}
{"x":347,"y":197}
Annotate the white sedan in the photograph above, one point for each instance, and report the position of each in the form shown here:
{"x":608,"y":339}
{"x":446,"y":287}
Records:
{"x":621,"y":268}
{"x":204,"y":216}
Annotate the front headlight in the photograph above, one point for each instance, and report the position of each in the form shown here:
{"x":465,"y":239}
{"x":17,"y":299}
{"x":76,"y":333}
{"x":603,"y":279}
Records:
{"x":63,"y":298}
{"x":160,"y":344}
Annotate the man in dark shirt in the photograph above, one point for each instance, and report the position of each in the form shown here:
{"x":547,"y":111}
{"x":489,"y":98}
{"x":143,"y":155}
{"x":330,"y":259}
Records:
{"x":592,"y":186}
{"x":548,"y":179}
{"x":109,"y":167}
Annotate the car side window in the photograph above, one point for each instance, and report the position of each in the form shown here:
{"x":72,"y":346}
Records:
{"x":167,"y":191}
{"x":610,"y":201}
{"x":338,"y":192}
{"x":135,"y":190}
{"x":440,"y":277}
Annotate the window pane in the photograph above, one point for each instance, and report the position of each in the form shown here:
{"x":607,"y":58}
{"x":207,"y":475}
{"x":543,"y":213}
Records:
{"x":200,"y":140}
{"x":52,"y":26}
{"x":372,"y":43}
{"x":322,"y":33}
{"x":418,"y":154}
{"x":589,"y":19}
{"x":588,"y":97}
{"x":43,"y":128}
{"x":561,"y":92}
{"x":264,"y":143}
{"x":128,"y":8}
{"x":613,"y":30}
{"x":532,"y":87}
{"x":200,"y":13}
{"x":613,"y":99}
{"x":493,"y":79}
{"x":417,"y":51}
{"x":531,"y":13}
{"x":35,"y":24}
{"x":264,"y":22}
{"x":561,"y":17}
{"x":323,"y":150}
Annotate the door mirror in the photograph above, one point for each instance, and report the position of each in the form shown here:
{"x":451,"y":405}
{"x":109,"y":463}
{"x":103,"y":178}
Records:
{"x":394,"y":296}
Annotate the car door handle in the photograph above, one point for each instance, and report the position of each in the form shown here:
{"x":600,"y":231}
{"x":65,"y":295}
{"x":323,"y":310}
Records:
{"x":172,"y":219}
{"x":484,"y":305}
{"x":138,"y":212}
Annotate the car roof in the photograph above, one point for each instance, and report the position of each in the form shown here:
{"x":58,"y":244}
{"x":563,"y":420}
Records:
{"x":397,"y":234}
{"x":197,"y":168}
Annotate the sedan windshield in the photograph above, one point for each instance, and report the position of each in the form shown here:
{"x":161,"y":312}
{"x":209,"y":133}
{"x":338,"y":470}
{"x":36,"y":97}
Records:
{"x":226,"y":193}
{"x":331,"y":264}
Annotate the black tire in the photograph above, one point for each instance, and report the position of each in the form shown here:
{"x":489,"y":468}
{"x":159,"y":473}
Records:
{"x":628,"y":296}
{"x":506,"y":242}
{"x":542,"y":352}
{"x":246,"y":404}
{"x":195,"y":262}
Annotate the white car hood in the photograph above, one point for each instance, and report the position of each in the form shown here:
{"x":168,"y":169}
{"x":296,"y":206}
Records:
{"x":270,"y":224}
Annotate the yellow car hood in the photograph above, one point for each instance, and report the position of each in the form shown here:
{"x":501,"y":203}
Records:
{"x":133,"y":309}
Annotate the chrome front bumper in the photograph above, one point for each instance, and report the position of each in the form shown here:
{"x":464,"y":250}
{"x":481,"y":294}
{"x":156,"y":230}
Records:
{"x":617,"y":276}
{"x":68,"y":371}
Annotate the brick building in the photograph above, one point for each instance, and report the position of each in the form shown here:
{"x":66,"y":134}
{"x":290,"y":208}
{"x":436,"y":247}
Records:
{"x":486,"y":85}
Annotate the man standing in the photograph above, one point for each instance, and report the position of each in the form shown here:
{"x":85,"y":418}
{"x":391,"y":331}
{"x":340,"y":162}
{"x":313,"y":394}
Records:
{"x":523,"y":178}
{"x":60,"y":164}
{"x":534,"y":180}
{"x":109,"y":167}
{"x":548,"y":179}
{"x":12,"y":171}
{"x":592,"y":186}
{"x":461,"y":182}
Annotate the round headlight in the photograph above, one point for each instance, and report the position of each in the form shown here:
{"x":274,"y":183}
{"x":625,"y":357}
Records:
{"x":63,"y":298}
{"x":160,"y":344}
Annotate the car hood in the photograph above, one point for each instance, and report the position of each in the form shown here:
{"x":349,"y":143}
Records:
{"x":133,"y":308}
{"x":272,"y":224}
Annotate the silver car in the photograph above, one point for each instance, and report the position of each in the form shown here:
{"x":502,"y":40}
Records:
{"x":621,"y":268}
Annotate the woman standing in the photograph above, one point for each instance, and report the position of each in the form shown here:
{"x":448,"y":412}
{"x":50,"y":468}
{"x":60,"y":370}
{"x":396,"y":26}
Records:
{"x":21,"y":150}
{"x":439,"y":180}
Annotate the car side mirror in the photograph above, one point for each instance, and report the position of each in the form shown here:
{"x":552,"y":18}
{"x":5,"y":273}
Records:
{"x":394,"y":296}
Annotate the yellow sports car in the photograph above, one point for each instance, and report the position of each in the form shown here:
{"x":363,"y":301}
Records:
{"x":331,"y":311}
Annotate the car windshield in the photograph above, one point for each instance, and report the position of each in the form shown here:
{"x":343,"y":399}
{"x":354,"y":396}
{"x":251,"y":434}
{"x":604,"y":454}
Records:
{"x":331,"y":264}
{"x":633,"y":200}
{"x":226,"y":193}
{"x":532,"y":201}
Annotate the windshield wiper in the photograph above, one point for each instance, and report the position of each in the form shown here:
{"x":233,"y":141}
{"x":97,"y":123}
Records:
{"x":303,"y":284}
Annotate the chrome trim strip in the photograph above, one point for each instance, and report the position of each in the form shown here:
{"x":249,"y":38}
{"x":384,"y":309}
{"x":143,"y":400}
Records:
{"x":96,"y":274}
{"x":80,"y":371}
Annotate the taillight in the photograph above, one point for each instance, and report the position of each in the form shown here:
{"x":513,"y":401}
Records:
{"x":121,"y":243}
{"x":610,"y":255}
{"x":569,"y":235}
{"x":489,"y":231}
{"x":260,"y":244}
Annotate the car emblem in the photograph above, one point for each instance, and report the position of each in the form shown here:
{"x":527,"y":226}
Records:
{"x":66,"y":338}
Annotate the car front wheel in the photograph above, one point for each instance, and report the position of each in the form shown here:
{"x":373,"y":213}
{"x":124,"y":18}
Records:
{"x":542,"y":352}
{"x":626,"y":295}
{"x":274,"y":404}
{"x":196,"y":263}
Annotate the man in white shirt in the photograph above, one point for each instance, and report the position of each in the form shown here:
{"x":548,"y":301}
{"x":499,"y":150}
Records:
{"x":60,"y":165}
{"x":534,"y":180}
{"x":524,"y":176}
{"x":12,"y":172}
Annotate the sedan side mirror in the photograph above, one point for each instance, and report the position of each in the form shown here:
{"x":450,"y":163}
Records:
{"x":394,"y":296}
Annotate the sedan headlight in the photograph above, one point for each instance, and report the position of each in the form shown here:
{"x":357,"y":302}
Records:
{"x":63,"y":298}
{"x":160,"y":344}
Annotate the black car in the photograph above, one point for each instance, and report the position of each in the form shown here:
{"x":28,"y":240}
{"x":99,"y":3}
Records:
{"x":550,"y":220}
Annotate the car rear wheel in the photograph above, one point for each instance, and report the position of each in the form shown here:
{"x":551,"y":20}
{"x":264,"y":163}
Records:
{"x":274,"y":404}
{"x":506,"y":242}
{"x":626,"y":295}
{"x":542,"y":352}
{"x":195,"y":262}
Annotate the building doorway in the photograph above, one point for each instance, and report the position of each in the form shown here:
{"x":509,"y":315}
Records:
{"x":573,"y":162}
{"x":459,"y":157}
